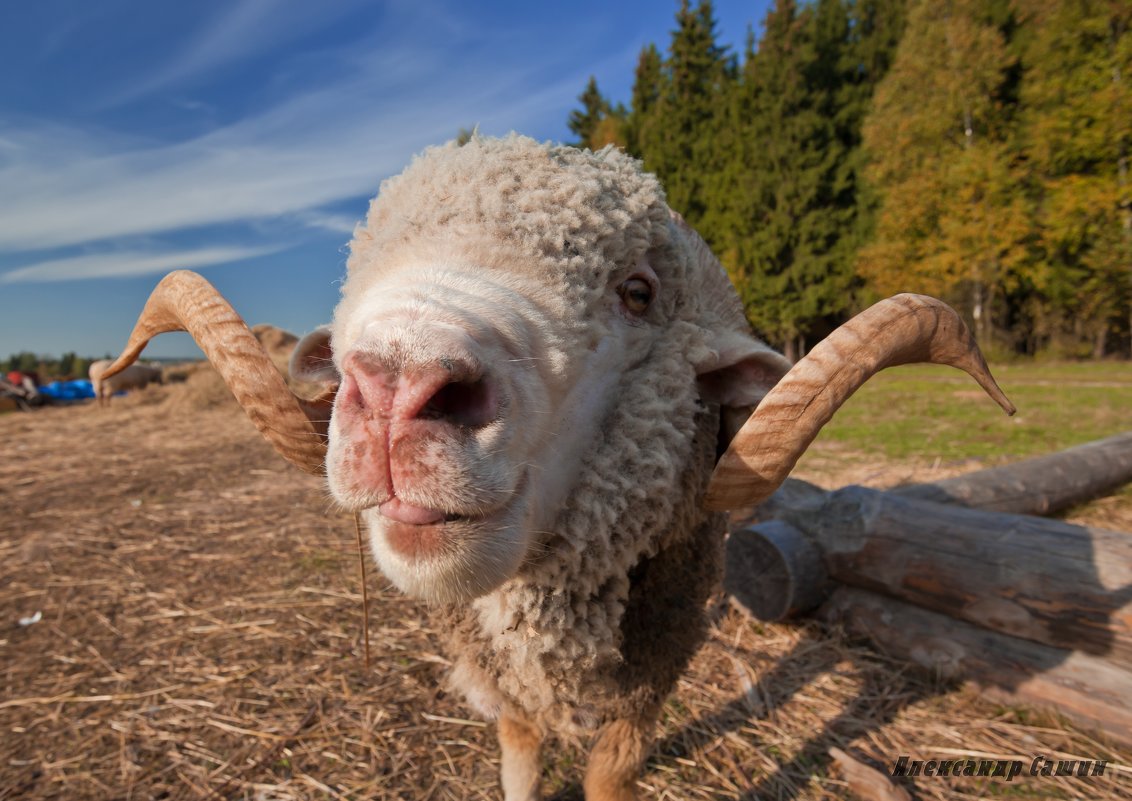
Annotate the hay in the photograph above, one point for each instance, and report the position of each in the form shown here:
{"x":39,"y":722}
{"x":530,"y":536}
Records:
{"x":196,"y":386}
{"x":201,"y":639}
{"x":203,"y":390}
{"x":278,"y":344}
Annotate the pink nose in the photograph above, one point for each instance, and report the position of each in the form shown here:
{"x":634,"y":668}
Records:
{"x":393,"y":419}
{"x":449,"y":393}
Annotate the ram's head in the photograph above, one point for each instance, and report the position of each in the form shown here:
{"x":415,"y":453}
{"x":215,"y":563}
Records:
{"x":502,"y":300}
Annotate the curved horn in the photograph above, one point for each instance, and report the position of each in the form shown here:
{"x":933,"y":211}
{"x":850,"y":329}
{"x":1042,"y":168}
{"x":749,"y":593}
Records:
{"x":900,"y":330}
{"x":184,"y":301}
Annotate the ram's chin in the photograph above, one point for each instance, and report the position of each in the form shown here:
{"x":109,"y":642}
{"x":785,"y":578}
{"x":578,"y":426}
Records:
{"x":450,"y":562}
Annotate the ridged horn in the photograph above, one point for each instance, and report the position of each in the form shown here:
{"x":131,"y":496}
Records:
{"x":900,"y":330}
{"x":185,"y":301}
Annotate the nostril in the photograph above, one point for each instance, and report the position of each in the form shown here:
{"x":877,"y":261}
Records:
{"x":454,"y":392}
{"x":368,"y":387}
{"x":349,"y":395}
{"x":462,"y":403}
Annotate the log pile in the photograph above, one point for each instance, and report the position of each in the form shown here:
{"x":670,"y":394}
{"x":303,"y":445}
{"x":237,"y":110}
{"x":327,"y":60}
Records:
{"x":960,"y":577}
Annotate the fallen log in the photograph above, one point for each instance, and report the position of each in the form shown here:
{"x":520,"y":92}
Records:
{"x":945,"y":575}
{"x":775,"y":571}
{"x":1043,"y":485}
{"x":1043,"y":580}
{"x":1088,"y":690}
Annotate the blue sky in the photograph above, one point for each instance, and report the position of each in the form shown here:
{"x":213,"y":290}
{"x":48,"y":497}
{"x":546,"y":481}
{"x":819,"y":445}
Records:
{"x":244,"y":138}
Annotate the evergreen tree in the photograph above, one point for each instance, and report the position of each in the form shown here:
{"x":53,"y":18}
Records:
{"x":784,"y":133}
{"x":642,"y":126}
{"x":597,"y":123}
{"x":876,"y":27}
{"x":731,"y":202}
{"x":789,"y":221}
{"x":683,"y":121}
{"x":973,"y":149}
{"x":24,"y":362}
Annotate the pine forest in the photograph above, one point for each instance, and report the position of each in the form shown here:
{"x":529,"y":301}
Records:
{"x":975,"y":150}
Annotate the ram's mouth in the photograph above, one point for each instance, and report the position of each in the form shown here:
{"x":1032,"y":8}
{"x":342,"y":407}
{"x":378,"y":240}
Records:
{"x":419,"y":533}
{"x":399,"y":512}
{"x":423,"y":541}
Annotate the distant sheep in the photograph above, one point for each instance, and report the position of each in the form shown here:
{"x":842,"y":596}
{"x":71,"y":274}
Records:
{"x":530,"y":376}
{"x":136,"y":376}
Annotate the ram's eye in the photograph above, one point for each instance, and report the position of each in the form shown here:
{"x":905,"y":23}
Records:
{"x":636,"y":294}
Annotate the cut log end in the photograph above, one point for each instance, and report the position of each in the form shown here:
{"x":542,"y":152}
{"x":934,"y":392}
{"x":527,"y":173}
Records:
{"x":775,"y":571}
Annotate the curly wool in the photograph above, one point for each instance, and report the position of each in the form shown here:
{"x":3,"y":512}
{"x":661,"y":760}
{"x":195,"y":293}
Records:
{"x":551,"y":642}
{"x":569,"y":213}
{"x":608,"y":609}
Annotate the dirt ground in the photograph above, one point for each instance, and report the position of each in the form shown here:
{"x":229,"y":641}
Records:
{"x":199,"y":636}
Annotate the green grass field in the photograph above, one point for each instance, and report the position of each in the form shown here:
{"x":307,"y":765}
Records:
{"x":940,"y":412}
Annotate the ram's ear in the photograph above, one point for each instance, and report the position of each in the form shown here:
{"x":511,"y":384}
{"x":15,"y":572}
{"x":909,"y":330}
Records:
{"x":312,"y":359}
{"x":735,"y":370}
{"x":737,"y":373}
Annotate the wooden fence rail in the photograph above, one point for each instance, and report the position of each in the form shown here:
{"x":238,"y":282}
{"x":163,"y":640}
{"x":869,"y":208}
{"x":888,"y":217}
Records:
{"x":949,"y":575}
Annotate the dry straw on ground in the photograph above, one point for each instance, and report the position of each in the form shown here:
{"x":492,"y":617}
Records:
{"x":200,"y":638}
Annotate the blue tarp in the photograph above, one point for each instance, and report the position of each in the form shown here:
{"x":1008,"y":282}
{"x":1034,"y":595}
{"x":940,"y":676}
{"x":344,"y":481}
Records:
{"x":68,"y":390}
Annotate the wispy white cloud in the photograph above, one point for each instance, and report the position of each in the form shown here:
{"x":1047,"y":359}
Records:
{"x":338,"y":223}
{"x":245,"y":29}
{"x":427,"y":71}
{"x":121,"y":265}
{"x":68,"y":186}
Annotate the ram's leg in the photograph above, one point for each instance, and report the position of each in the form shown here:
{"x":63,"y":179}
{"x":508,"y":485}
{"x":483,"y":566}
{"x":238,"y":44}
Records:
{"x":519,"y":741}
{"x":616,"y":759}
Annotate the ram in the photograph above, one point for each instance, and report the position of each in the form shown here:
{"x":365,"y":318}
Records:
{"x":136,"y":376}
{"x":530,"y":376}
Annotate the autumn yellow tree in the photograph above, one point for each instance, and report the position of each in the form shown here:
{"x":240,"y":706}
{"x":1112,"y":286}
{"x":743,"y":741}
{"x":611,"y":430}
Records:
{"x":953,"y":219}
{"x":1077,"y":135}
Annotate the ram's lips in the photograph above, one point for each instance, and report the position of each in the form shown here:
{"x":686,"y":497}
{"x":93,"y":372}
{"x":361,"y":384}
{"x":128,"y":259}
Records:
{"x":420,"y":533}
{"x":417,"y":541}
{"x":402,"y":512}
{"x":415,"y":532}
